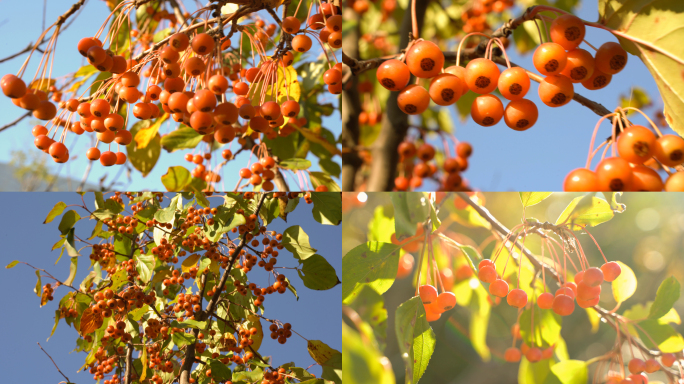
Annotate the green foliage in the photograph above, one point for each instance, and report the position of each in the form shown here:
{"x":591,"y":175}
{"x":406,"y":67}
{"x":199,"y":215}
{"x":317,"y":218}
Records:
{"x":668,"y":294}
{"x":374,"y":264}
{"x":415,"y":337}
{"x":585,"y":211}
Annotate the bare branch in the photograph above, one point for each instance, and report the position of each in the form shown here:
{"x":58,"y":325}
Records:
{"x":53,"y":362}
{"x":15,"y":122}
{"x":129,"y":364}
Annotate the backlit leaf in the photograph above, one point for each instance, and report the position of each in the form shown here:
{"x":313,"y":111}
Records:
{"x":176,"y":178}
{"x":667,"y":295}
{"x":372,"y":263}
{"x":586,"y":211}
{"x":296,"y":241}
{"x":529,"y":199}
{"x":415,"y":337}
{"x":90,"y":322}
{"x":189,"y":262}
{"x":320,"y":351}
{"x":625,"y":284}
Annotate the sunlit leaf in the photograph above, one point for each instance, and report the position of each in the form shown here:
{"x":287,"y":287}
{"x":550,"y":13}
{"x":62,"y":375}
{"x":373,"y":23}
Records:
{"x":320,"y":351}
{"x":374,"y":264}
{"x":625,"y":284}
{"x":415,"y":337}
{"x":55,"y":211}
{"x":529,"y":199}
{"x":667,"y":295}
{"x":586,"y":210}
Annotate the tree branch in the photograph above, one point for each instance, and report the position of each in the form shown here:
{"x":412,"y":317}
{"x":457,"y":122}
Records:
{"x":129,"y":364}
{"x":351,"y":105}
{"x":53,"y":362}
{"x":15,"y":122}
{"x":605,"y":314}
{"x":190,"y":350}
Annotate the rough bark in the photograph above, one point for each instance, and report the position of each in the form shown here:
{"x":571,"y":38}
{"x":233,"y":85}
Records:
{"x":351,"y":108}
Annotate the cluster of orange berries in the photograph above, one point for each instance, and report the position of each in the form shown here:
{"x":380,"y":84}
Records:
{"x":117,"y":331}
{"x":48,"y":291}
{"x":104,"y":365}
{"x":532,"y":354}
{"x":154,"y":329}
{"x":65,"y":312}
{"x":586,"y":288}
{"x":188,"y":303}
{"x":435,"y":303}
{"x":638,"y":150}
{"x":475,"y":17}
{"x":260,"y":173}
{"x":122,"y":224}
{"x":639,"y":368}
{"x":415,"y":173}
{"x":281,"y":333}
{"x":275,"y":377}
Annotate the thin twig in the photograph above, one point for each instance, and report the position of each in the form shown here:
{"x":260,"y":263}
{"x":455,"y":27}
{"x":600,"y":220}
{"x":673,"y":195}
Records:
{"x":53,"y":362}
{"x":15,"y":122}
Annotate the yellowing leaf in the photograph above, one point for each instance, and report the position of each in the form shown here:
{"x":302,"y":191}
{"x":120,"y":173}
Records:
{"x":42,"y":85}
{"x":145,"y":136}
{"x":658,"y":27}
{"x":320,"y":351}
{"x":143,"y":360}
{"x":255,"y":321}
{"x":190,"y":262}
{"x":90,"y":322}
{"x":593,"y":319}
{"x":625,"y":285}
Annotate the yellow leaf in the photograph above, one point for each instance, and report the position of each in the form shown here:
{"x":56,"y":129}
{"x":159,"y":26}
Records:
{"x":320,"y":351}
{"x":144,"y":136}
{"x":42,"y":85}
{"x":255,"y":321}
{"x":90,"y":322}
{"x":190,"y":262}
{"x":625,"y":285}
{"x":593,"y":319}
{"x":143,"y":360}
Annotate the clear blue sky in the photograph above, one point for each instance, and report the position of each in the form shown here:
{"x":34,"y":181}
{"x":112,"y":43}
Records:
{"x":22,"y":21}
{"x":539,"y":159}
{"x":316,"y":315}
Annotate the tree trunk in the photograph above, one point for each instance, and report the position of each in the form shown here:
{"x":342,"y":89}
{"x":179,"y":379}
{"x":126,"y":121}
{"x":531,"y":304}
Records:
{"x":351,"y":107}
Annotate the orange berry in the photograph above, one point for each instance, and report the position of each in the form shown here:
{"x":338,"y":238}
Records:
{"x":550,"y":59}
{"x":445,"y":89}
{"x":521,"y":115}
{"x":487,"y":110}
{"x":514,"y":83}
{"x":669,"y":150}
{"x":614,"y":174}
{"x":611,"y":58}
{"x":567,"y":31}
{"x":556,"y":91}
{"x":428,"y":294}
{"x":645,"y":179}
{"x":482,"y":75}
{"x":425,"y":59}
{"x":675,"y":183}
{"x":393,"y":75}
{"x":597,"y":80}
{"x":580,"y":66}
{"x":459,"y":72}
{"x":413,"y":100}
{"x":636,"y":143}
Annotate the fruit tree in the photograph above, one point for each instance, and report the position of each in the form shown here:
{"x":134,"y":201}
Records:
{"x":532,"y":66}
{"x":242,"y":89}
{"x":178,"y":285}
{"x":443,"y":291}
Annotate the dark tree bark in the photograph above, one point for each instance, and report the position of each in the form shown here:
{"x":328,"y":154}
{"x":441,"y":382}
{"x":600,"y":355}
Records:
{"x":351,"y":107}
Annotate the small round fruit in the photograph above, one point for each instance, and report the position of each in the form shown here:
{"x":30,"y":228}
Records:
{"x":597,"y":80}
{"x":413,"y":100}
{"x":556,"y":91}
{"x":517,"y":298}
{"x":567,"y":31}
{"x":611,"y":58}
{"x":614,"y":174}
{"x":514,"y":83}
{"x":611,"y":270}
{"x":563,"y":305}
{"x":636,"y":366}
{"x":512,"y":355}
{"x":459,"y":72}
{"x":446,"y":301}
{"x":675,"y":182}
{"x":550,"y":59}
{"x":636,"y":144}
{"x":580,"y":180}
{"x":487,"y":274}
{"x":425,"y":59}
{"x":499,"y":288}
{"x":668,"y":359}
{"x":445,"y":89}
{"x":487,"y":110}
{"x":669,"y":150}
{"x":482,"y":76}
{"x":393,"y":75}
{"x":428,"y":294}
{"x":580,"y":66}
{"x":521,"y":115}
{"x":645,"y":179}
{"x":593,"y":277}
{"x":533,"y":355}
{"x":545,"y":300}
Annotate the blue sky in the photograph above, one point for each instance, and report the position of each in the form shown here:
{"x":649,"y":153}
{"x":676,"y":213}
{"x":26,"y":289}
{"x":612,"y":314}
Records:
{"x":316,"y":315}
{"x":539,"y":159}
{"x":14,"y":20}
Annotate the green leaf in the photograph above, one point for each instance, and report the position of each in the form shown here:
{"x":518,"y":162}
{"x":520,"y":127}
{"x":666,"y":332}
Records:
{"x":320,"y":178}
{"x":145,"y":266}
{"x":85,"y":70}
{"x":320,"y":351}
{"x":547,"y":326}
{"x":144,"y":159}
{"x":182,"y":138}
{"x":219,"y":371}
{"x":12,"y":264}
{"x":318,"y":274}
{"x":330,"y":167}
{"x":39,"y":285}
{"x":249,"y":376}
{"x":529,"y":199}
{"x":585,"y":211}
{"x":327,"y":207}
{"x":410,"y":208}
{"x":658,"y":27}
{"x":374,"y":264}
{"x":666,"y":338}
{"x":99,"y":82}
{"x":295,"y":164}
{"x":332,"y":369}
{"x":182,"y":339}
{"x":362,"y":360}
{"x":73,"y":268}
{"x":296,"y":241}
{"x":570,"y":372}
{"x":667,"y":295}
{"x":625,"y":284}
{"x":68,"y":220}
{"x":176,"y":178}
{"x":70,"y":245}
{"x":55,"y":211}
{"x":415,"y":338}
{"x":370,"y":307}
